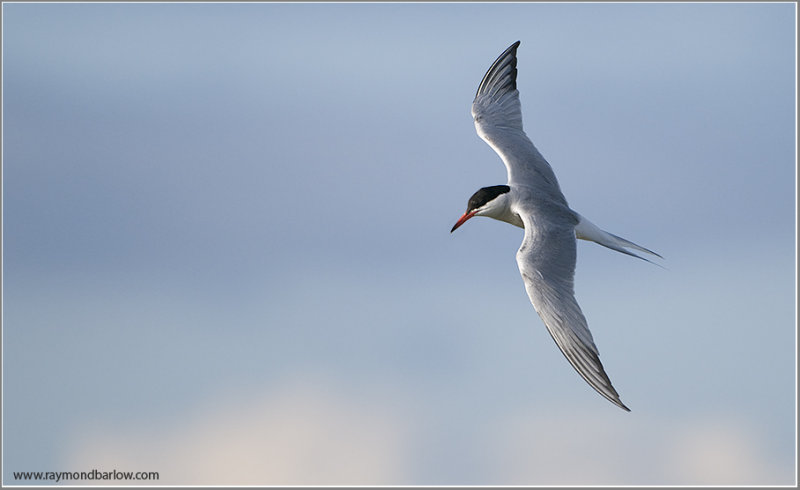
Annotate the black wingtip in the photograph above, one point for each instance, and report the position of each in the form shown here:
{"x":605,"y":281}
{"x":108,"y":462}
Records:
{"x":508,"y":57}
{"x":510,"y":49}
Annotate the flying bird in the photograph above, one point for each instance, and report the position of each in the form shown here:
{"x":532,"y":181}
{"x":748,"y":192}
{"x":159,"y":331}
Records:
{"x":533,"y":200}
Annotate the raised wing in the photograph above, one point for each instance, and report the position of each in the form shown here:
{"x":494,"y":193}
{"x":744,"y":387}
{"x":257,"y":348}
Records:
{"x":546,"y":261}
{"x":498,"y":120}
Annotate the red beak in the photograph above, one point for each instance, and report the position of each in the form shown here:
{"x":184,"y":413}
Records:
{"x":463,"y":219}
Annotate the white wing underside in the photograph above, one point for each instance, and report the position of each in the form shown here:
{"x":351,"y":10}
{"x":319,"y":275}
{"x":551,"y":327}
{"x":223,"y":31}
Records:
{"x":547,"y":256}
{"x":498,"y":121}
{"x":546,"y":261}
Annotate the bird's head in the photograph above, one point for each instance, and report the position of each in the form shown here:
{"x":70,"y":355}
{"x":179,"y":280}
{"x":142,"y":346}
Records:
{"x":488,"y":201}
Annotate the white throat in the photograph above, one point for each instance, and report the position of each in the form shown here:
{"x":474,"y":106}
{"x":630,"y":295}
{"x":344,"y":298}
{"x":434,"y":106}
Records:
{"x":499,"y":208}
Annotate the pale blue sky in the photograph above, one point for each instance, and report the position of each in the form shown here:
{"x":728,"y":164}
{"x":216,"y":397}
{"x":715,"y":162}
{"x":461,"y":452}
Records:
{"x":227,"y":254}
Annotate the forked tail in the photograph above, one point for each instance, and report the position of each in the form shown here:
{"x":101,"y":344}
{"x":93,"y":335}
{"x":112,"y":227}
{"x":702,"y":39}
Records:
{"x":586,"y":230}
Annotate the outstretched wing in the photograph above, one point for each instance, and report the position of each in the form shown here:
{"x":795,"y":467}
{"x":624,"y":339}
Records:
{"x":546,"y":261}
{"x":498,"y":120}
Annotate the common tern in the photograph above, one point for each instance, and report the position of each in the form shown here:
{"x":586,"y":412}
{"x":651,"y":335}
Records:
{"x":533,"y":200}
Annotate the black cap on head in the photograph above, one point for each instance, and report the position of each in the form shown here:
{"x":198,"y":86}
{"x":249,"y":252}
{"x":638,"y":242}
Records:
{"x":484,"y":195}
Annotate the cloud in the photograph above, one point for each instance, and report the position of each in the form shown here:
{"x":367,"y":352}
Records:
{"x":721,"y":452}
{"x":303,"y":434}
{"x":311,"y":431}
{"x":573,"y":449}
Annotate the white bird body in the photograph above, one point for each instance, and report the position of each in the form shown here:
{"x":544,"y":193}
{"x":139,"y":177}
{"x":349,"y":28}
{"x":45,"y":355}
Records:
{"x":533,"y":200}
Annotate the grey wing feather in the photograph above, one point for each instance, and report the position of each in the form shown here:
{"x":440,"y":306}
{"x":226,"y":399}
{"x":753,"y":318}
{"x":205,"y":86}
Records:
{"x":546,"y":261}
{"x":498,"y":120}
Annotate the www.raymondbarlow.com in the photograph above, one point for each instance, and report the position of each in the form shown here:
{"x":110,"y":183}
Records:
{"x":61,"y":476}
